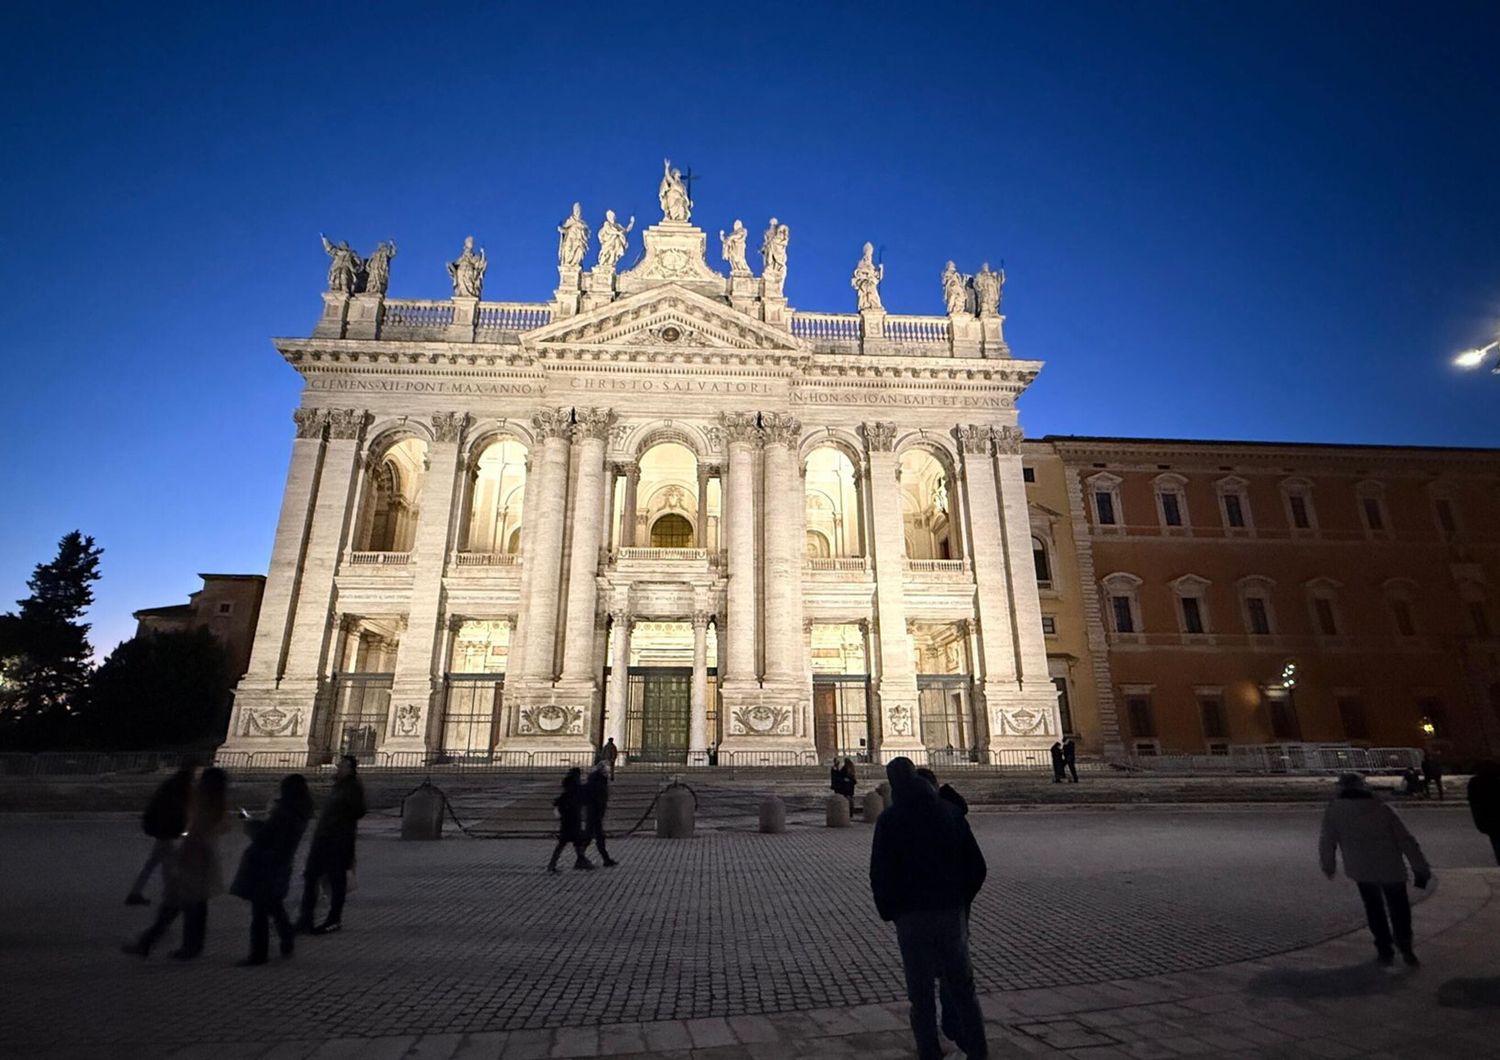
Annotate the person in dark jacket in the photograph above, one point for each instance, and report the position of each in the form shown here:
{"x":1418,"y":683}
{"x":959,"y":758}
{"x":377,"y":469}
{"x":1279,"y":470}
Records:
{"x":265,"y":872}
{"x":1058,"y":763}
{"x":595,"y":803}
{"x":1484,"y":802}
{"x":164,"y":821}
{"x":946,"y":792}
{"x":925,"y":870}
{"x":841,"y":780}
{"x":611,"y":753}
{"x":1070,"y":757}
{"x":330,"y":855}
{"x":193,"y":873}
{"x":569,"y":807}
{"x":1432,"y":775}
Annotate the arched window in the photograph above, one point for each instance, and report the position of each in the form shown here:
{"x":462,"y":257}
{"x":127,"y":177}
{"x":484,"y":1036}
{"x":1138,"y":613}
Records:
{"x":671,"y":531}
{"x":392,"y":489}
{"x":832,"y":504}
{"x":499,"y":486}
{"x":926,"y":507}
{"x":667,"y":485}
{"x":1042,"y":562}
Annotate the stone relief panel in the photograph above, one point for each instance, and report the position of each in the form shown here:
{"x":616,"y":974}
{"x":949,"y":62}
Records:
{"x":550,"y":719}
{"x":271,"y":721}
{"x":408,"y":719}
{"x":761,"y":720}
{"x":1022,"y":721}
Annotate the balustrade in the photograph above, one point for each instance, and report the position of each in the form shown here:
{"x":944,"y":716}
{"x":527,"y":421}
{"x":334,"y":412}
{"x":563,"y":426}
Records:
{"x":826,"y":326}
{"x":938,"y":566}
{"x":415,"y":316}
{"x":380,"y":559}
{"x":916,"y":329}
{"x":670,"y":555}
{"x":487,"y":559}
{"x":511,"y":317}
{"x":838,"y":563}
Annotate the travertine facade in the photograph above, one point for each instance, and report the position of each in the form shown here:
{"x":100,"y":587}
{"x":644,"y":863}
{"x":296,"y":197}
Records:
{"x":664,"y":508}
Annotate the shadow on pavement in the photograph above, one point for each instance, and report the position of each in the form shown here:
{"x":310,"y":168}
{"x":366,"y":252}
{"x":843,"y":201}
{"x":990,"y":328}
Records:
{"x":1355,"y":980}
{"x":1470,"y":993}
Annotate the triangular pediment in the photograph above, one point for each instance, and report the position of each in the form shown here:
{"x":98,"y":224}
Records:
{"x":665,"y":317}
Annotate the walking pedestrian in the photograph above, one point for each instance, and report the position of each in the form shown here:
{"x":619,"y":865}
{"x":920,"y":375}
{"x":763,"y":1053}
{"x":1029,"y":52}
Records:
{"x":611,"y":752}
{"x":330,"y":855}
{"x":595,"y":802}
{"x":1432,"y":774}
{"x":569,"y":807}
{"x":1057,"y":762}
{"x":1070,"y":757}
{"x":925,"y":869}
{"x":164,"y":821}
{"x":265,"y":872}
{"x":192,"y":870}
{"x":1376,"y":847}
{"x":841,"y":780}
{"x":946,"y":792}
{"x":1484,"y":802}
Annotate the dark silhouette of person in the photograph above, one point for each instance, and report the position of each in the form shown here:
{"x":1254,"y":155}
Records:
{"x":330,"y":855}
{"x":193,"y":871}
{"x":1057,"y":762}
{"x":164,"y":821}
{"x":1432,"y":775}
{"x":841,"y":779}
{"x":595,"y":803}
{"x":265,"y":872}
{"x":925,"y":870}
{"x":1414,"y":784}
{"x":611,"y":752}
{"x":950,"y":795}
{"x":569,"y":807}
{"x":1070,"y":757}
{"x":946,"y":792}
{"x":1484,"y":802}
{"x":1376,"y":847}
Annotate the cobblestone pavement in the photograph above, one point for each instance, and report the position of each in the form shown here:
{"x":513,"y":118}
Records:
{"x":732,"y":941}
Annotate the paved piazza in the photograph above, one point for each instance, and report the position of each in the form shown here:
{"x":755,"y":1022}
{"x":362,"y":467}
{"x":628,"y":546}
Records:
{"x":470,"y":937}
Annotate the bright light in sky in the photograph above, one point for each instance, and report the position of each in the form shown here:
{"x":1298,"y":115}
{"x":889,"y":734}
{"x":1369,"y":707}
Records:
{"x":1474,"y":358}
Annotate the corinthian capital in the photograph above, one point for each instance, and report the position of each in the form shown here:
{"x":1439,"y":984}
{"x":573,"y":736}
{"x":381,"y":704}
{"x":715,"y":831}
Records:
{"x":449,"y":426}
{"x":552,"y":423}
{"x":1008,"y":440}
{"x":741,"y":427}
{"x":592,"y":423}
{"x":781,"y":429}
{"x":346,"y":423}
{"x":310,"y":422}
{"x":973,"y":439}
{"x":880,"y":436}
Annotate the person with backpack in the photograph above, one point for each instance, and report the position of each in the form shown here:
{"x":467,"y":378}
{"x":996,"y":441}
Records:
{"x":164,"y":821}
{"x":330,"y":855}
{"x":265,"y":872}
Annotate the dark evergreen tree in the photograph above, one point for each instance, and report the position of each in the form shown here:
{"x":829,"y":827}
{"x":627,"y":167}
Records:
{"x":159,"y":690}
{"x":44,"y":646}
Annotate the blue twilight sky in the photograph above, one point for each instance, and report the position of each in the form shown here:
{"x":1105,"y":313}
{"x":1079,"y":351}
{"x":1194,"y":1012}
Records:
{"x":1266,"y":221}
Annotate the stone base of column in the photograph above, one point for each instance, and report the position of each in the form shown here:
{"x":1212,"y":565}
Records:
{"x":272,"y":723}
{"x":411,"y":731}
{"x":601,"y":288}
{"x":1024,"y":718}
{"x":365,"y":313}
{"x":743,"y":292}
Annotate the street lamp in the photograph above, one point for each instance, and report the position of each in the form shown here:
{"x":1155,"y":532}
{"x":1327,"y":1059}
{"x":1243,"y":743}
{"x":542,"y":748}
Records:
{"x":1476,"y":357}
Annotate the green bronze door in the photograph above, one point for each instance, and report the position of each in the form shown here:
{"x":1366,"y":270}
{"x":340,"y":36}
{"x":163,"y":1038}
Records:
{"x":658,"y":714}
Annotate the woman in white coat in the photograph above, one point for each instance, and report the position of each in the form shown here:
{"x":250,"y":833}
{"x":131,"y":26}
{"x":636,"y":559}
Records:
{"x":1376,"y":847}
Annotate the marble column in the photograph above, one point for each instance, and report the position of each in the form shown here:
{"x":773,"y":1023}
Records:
{"x":698,"y":721}
{"x":589,"y":432}
{"x":517,"y":651}
{"x":539,"y":607}
{"x":744,"y":443}
{"x":1025,"y":603}
{"x":897,"y":688}
{"x":996,"y":676}
{"x":416,"y":691}
{"x":628,"y":512}
{"x":783,"y":597}
{"x":618,"y":689}
{"x":700,"y":536}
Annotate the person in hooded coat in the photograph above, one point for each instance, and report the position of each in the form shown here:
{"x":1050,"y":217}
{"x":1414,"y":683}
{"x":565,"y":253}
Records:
{"x":569,"y":807}
{"x":330,"y":855}
{"x":1484,"y":803}
{"x":925,"y":870}
{"x":1058,"y":764}
{"x":164,"y":821}
{"x":265,"y":872}
{"x":1376,"y":848}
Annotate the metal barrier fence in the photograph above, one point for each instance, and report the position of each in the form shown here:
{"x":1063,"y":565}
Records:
{"x":1249,"y":760}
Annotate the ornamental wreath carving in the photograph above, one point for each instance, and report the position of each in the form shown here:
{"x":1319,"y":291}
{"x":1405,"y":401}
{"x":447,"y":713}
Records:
{"x":449,"y":426}
{"x":271,"y":721}
{"x":880,"y":436}
{"x":408,"y":717}
{"x":762,"y":720}
{"x":549,"y":719}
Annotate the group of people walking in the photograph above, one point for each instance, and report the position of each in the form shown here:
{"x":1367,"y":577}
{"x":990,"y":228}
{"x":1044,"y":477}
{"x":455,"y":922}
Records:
{"x":580,"y":815}
{"x":186,"y":822}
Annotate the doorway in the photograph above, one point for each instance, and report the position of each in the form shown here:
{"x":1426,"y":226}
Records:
{"x":658,"y":712}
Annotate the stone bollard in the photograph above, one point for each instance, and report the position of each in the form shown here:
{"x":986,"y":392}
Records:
{"x":674,"y":814}
{"x":772,"y":815}
{"x":873,"y":805}
{"x":838,"y":811}
{"x":422,"y":813}
{"x":884,"y":787}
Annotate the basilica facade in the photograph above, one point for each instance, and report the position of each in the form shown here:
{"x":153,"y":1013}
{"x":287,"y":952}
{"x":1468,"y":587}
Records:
{"x":664,"y":508}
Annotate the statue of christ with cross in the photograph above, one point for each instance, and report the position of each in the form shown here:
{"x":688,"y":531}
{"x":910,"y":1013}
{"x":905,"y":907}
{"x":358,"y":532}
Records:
{"x":673,"y":196}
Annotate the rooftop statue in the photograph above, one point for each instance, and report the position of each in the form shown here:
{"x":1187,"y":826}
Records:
{"x":468,"y":271}
{"x":988,"y":286}
{"x":734,"y":249}
{"x":574,"y":241}
{"x":675,"y":204}
{"x":955,"y":290}
{"x":612,"y":241}
{"x":773,"y":253}
{"x":866,"y":280}
{"x":378,"y":267}
{"x":343,"y":271}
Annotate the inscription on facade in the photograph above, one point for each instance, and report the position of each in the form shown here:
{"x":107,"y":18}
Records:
{"x":669,"y":385}
{"x":852,"y":396}
{"x":427,"y":386}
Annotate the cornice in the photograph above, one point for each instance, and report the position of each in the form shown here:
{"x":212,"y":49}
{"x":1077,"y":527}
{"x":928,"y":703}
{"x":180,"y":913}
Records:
{"x":1250,"y":457}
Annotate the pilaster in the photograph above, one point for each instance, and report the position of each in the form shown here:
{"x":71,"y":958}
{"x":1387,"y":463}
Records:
{"x":590,"y":429}
{"x":335,"y":312}
{"x":365,"y":314}
{"x":465,"y":315}
{"x":698,"y":720}
{"x":896,"y":691}
{"x":566,"y":301}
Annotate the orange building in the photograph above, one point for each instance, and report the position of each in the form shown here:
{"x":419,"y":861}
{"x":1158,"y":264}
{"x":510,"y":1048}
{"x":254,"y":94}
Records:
{"x":1252,"y":593}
